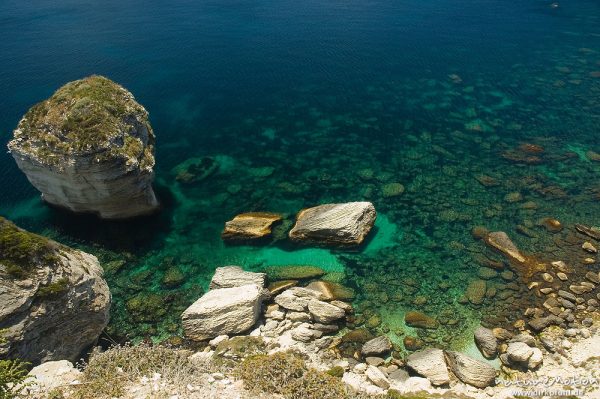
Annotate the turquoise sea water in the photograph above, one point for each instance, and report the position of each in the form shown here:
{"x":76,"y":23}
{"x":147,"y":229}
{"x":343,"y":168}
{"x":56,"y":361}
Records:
{"x":303,"y":103}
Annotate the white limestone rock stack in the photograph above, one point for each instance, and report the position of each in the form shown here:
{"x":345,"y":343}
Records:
{"x":89,"y":148}
{"x":55,"y":302}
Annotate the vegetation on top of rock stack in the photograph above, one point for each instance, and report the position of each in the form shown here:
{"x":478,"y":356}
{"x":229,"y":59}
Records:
{"x":87,"y":116}
{"x":21,"y":251}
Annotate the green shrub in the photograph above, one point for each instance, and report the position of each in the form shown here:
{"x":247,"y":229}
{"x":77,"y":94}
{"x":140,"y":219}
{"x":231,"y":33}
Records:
{"x":108,"y":373}
{"x":20,"y":250}
{"x":336,"y":371}
{"x":230,"y":352}
{"x":286,"y":374}
{"x":53,"y":290}
{"x":13,"y":374}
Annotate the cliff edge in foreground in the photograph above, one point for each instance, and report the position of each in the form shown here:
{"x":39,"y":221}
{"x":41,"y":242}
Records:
{"x":55,"y":302}
{"x":89,"y":148}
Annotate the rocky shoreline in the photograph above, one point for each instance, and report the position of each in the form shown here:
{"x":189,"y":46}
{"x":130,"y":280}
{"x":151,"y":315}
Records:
{"x":300,"y":309}
{"x":307,"y":320}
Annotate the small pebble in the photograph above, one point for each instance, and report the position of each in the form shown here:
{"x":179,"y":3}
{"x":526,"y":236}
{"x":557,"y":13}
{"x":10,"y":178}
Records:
{"x":585,"y":333}
{"x":571,"y":332}
{"x":589,"y":247}
{"x":360,"y":368}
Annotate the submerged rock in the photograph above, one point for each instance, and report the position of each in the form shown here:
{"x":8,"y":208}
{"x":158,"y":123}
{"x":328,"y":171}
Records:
{"x":412,"y":343}
{"x":377,"y":346}
{"x":195,"y":170}
{"x":360,"y":335}
{"x":525,"y":266}
{"x":475,"y":292}
{"x":89,"y":148}
{"x":334,"y":224}
{"x":278,"y":287}
{"x":420,"y":320}
{"x":173,"y":277}
{"x":392,"y":190}
{"x":500,"y":241}
{"x":222,"y":311}
{"x":235,"y":276}
{"x":250,"y":226}
{"x":588,"y":231}
{"x":293,"y":272}
{"x":55,"y":302}
{"x":332,"y":291}
{"x":539,"y":323}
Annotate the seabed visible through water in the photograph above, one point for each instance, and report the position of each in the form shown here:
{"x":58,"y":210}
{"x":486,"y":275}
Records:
{"x":438,"y":151}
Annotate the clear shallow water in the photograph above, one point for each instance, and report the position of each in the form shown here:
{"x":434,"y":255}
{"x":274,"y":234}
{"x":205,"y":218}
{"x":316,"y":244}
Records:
{"x":316,"y":102}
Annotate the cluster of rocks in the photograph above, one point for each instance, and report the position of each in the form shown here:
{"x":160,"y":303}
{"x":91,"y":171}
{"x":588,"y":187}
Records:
{"x":345,"y":224}
{"x":234,"y":305}
{"x":433,"y":368}
{"x":231,"y":306}
{"x":304,"y":318}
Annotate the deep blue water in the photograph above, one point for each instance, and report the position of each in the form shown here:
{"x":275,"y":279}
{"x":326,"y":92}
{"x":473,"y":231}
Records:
{"x":320,"y":90}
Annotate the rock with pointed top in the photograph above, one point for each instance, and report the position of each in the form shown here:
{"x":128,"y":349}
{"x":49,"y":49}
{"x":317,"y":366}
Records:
{"x":500,"y":241}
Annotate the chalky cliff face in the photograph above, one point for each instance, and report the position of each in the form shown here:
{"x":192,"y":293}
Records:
{"x":55,"y":302}
{"x":89,"y":148}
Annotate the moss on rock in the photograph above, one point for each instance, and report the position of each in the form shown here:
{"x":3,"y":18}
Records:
{"x":21,"y":251}
{"x":53,"y":290}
